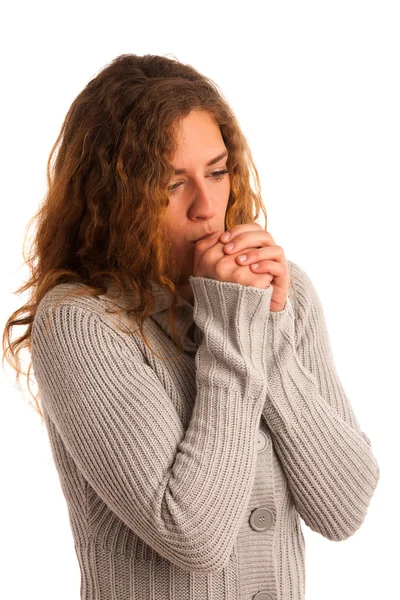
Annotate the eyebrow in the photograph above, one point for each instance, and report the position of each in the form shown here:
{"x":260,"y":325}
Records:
{"x":210,"y":162}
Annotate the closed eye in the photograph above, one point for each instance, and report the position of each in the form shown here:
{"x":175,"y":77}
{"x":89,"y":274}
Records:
{"x":217,"y":176}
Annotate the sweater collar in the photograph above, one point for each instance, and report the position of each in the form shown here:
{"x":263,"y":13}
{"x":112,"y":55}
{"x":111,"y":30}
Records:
{"x":162,"y":298}
{"x":159,"y":313}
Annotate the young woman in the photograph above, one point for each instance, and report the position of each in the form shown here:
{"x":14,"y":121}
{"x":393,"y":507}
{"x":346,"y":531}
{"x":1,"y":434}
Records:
{"x":189,"y":447}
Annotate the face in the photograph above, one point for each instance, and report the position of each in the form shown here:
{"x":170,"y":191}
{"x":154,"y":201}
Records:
{"x":198,"y":197}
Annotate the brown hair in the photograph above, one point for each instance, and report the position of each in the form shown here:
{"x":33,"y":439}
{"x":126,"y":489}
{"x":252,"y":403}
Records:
{"x":102,"y":215}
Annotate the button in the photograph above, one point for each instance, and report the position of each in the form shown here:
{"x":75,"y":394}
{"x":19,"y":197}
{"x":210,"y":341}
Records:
{"x":263,"y":596}
{"x":262,"y":441}
{"x":261,"y":519}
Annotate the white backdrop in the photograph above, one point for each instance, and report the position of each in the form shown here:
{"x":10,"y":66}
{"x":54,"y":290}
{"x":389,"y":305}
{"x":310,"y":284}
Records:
{"x":315,"y":86}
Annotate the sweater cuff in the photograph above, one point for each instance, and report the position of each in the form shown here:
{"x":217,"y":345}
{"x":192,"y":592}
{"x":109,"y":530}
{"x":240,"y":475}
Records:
{"x":233,"y":318}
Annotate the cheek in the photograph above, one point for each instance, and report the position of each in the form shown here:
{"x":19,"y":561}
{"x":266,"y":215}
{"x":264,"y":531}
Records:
{"x":226,"y":192}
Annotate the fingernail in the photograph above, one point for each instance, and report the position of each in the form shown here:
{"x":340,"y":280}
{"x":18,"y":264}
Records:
{"x":243,"y":257}
{"x":225,"y":236}
{"x":213,"y":235}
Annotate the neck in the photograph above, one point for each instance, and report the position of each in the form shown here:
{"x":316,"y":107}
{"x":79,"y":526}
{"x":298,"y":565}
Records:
{"x":186,"y":292}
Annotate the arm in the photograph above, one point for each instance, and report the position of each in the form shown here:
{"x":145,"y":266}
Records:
{"x":331,"y":470}
{"x":122,"y":429}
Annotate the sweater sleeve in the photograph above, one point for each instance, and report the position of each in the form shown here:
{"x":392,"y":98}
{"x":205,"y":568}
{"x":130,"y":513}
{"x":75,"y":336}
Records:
{"x":184,"y":493}
{"x":331,"y":470}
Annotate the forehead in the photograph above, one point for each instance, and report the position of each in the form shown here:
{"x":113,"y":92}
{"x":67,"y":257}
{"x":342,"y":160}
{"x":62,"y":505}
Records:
{"x":212,"y":161}
{"x":198,"y":136}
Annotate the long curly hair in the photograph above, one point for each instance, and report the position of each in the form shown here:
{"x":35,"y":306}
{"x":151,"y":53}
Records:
{"x":101,"y":219}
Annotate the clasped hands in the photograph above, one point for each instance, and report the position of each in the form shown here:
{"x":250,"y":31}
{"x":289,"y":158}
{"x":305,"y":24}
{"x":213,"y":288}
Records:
{"x":262,"y":256}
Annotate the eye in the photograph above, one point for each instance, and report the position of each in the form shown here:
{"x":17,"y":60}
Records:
{"x":217,"y":176}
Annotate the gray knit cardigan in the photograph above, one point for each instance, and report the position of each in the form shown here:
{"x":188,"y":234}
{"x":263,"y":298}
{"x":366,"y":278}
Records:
{"x":186,"y":479}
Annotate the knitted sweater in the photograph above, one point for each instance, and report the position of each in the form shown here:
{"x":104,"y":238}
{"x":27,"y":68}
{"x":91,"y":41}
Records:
{"x":185,"y":479}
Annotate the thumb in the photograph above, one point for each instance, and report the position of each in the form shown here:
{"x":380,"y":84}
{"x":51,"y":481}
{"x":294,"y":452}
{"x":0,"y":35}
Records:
{"x":207,"y":242}
{"x":214,"y":235}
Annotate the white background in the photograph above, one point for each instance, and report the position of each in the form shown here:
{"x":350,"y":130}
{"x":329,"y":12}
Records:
{"x":315,"y":86}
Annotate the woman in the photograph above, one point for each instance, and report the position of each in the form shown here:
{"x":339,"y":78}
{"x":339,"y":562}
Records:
{"x":185,"y":473}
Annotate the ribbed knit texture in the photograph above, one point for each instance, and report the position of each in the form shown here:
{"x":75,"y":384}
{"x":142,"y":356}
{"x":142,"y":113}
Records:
{"x":186,"y":479}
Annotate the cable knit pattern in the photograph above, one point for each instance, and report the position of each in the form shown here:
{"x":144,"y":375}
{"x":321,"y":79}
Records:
{"x":185,"y":479}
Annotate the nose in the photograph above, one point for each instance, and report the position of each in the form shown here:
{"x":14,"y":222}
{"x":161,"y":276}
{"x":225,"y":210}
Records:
{"x":204,"y":203}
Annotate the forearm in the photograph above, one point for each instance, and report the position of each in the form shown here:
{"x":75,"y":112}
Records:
{"x":331,"y":470}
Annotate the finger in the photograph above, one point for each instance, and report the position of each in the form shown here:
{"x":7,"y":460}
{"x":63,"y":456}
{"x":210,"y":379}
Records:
{"x":268,"y":266}
{"x":236,"y":229}
{"x":254,"y":239}
{"x":253,"y":255}
{"x":209,"y":240}
{"x":279,"y":273}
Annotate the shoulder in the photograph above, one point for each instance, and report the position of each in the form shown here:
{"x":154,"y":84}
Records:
{"x":67,"y":296}
{"x":68,"y":316}
{"x":73,"y":304}
{"x":70,"y":321}
{"x":302,"y":291}
{"x":300,"y":282}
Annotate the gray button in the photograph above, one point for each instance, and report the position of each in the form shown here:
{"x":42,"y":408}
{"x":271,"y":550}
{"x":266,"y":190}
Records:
{"x":262,"y":441}
{"x":261,"y":519}
{"x":263,"y":596}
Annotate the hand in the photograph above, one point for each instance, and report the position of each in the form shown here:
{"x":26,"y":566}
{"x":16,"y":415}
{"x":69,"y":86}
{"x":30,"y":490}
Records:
{"x":211,"y":261}
{"x":259,"y":247}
